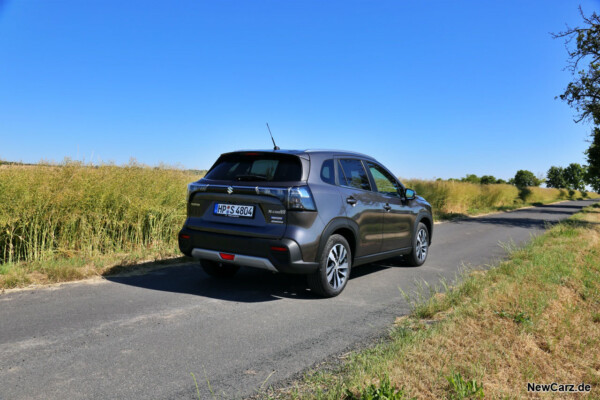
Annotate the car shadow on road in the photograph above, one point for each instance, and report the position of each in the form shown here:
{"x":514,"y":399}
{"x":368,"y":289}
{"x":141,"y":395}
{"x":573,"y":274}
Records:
{"x":249,"y":285}
{"x":558,"y":209}
{"x":509,"y":222}
{"x":566,"y":206}
{"x":517,"y":219}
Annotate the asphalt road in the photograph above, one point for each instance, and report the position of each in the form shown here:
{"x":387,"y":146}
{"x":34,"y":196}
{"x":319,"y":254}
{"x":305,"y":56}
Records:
{"x":140,"y":337}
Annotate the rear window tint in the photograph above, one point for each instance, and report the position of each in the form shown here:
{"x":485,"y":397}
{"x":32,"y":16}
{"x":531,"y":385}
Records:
{"x":354,"y":174}
{"x":327,"y":172}
{"x":256,"y":167}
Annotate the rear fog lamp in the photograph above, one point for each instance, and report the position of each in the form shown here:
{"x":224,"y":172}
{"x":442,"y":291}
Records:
{"x":228,"y":257}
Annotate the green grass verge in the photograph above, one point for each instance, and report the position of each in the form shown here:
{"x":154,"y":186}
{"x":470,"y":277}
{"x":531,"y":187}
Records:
{"x":534,"y":318}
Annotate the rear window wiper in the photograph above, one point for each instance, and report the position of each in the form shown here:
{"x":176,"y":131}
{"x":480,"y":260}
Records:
{"x":251,"y":178}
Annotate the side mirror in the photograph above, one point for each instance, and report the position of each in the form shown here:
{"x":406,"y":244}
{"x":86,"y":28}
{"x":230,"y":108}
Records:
{"x":410,"y":194}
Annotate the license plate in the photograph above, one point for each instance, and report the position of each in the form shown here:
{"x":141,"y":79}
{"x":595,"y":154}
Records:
{"x":234,"y":210}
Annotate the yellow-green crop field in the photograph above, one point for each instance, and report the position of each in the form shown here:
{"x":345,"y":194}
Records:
{"x":71,"y":221}
{"x":80,"y":213}
{"x":451,"y":198}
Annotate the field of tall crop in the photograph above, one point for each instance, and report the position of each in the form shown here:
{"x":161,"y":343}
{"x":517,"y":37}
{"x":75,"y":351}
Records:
{"x":81,"y":213}
{"x":452,"y":198}
{"x":71,"y":221}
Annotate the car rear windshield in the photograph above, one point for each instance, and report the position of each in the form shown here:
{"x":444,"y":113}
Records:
{"x":251,"y":166}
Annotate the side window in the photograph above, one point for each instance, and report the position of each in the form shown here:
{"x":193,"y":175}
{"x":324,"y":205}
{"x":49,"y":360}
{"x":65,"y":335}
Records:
{"x":327,"y":172}
{"x":385,"y":183}
{"x":354,"y":174}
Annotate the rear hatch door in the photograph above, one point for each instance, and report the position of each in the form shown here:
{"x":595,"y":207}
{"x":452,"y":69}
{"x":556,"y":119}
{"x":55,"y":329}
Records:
{"x":245,"y":194}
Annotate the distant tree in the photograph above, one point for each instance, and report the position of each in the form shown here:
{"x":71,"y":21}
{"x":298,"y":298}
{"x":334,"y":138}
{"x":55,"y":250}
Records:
{"x":583,"y":93}
{"x":575,"y":176}
{"x":501,"y":181}
{"x":555,"y":178}
{"x":525,"y":178}
{"x":511,"y":181}
{"x":488,"y":179}
{"x":471,"y":178}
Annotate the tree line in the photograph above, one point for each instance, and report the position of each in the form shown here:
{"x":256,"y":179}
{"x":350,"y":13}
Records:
{"x":572,"y":177}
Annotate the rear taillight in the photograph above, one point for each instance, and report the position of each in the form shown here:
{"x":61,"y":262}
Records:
{"x":195,"y":187}
{"x":300,"y":198}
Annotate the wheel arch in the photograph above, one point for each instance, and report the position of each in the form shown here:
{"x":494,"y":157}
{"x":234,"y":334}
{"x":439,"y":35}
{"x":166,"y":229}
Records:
{"x":428,"y":221}
{"x":339,"y":226}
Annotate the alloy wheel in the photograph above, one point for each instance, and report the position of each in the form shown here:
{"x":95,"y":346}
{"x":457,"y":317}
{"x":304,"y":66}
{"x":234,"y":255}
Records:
{"x":337,"y":266}
{"x":422,"y":245}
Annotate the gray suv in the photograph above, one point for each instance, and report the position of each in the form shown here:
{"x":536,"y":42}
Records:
{"x":313,"y":212}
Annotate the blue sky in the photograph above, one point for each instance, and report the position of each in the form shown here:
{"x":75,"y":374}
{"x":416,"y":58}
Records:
{"x":430,"y":88}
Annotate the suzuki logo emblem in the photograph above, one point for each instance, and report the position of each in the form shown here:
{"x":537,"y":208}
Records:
{"x":229,"y":190}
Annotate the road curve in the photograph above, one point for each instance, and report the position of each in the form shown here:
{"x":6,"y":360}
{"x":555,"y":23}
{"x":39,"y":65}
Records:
{"x":140,"y":337}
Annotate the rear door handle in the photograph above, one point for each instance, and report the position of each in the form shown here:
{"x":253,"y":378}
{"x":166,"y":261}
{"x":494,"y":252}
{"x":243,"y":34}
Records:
{"x":351,"y":200}
{"x":387,"y":207}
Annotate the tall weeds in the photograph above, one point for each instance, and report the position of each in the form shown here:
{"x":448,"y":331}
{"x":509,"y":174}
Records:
{"x":451,"y":197}
{"x":66,"y":210}
{"x":544,"y":195}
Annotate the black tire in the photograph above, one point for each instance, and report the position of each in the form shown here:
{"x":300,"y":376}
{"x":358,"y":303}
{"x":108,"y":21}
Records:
{"x":219,"y":270}
{"x":318,"y":281}
{"x":419,"y":253}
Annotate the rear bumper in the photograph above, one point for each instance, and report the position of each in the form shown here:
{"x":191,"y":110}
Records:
{"x":239,"y":259}
{"x":248,"y":251}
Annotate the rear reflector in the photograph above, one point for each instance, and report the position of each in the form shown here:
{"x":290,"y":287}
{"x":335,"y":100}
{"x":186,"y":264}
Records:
{"x":276,"y":248}
{"x":184,"y":236}
{"x":228,"y":257}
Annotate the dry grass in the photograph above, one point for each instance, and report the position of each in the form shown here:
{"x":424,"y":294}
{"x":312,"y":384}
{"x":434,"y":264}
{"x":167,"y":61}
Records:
{"x":545,"y":195}
{"x":534,"y":318}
